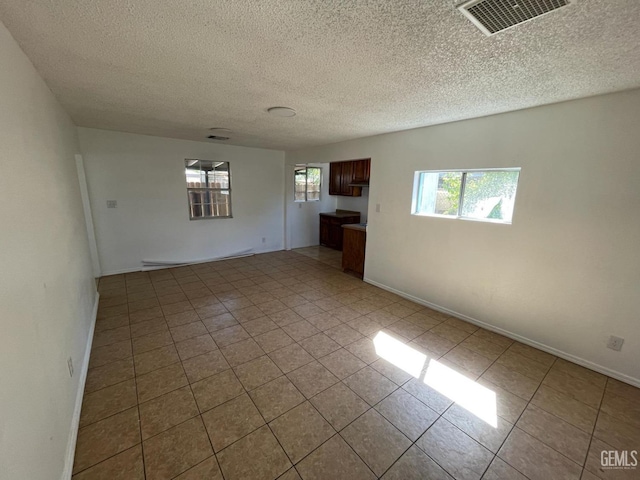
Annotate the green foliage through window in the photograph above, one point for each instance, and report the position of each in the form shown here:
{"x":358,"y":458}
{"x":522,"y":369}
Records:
{"x":477,"y":194}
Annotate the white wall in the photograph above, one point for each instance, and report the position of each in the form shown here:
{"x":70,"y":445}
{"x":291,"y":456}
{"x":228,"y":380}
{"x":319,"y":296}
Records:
{"x":145,"y":175}
{"x":355,"y":204}
{"x":303,"y":220}
{"x":566,"y":273}
{"x":47,"y":291}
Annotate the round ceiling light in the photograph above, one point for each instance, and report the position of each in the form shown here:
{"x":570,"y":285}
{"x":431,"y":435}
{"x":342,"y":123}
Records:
{"x":282,"y":111}
{"x":220,"y":130}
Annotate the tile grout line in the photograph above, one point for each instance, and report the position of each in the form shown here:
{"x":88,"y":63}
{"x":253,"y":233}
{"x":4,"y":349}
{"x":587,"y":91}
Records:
{"x":135,"y":376}
{"x":595,"y":423}
{"x":441,"y":416}
{"x":494,"y":455}
{"x":540,"y":384}
{"x":338,"y":432}
{"x":518,"y":419}
{"x":116,"y":413}
{"x":582,"y":467}
{"x":514,"y":425}
{"x":269,"y":426}
{"x":144,"y":465}
{"x":340,"y":380}
{"x":198,"y":407}
{"x":199,"y":415}
{"x":306,"y":400}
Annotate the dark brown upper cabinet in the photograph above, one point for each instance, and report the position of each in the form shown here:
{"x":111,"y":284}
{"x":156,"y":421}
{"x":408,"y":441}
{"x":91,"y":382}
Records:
{"x":361,"y":171}
{"x":349,"y":177}
{"x":335,"y":178}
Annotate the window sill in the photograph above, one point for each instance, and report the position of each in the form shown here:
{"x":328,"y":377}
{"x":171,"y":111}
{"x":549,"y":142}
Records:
{"x":468,"y":219}
{"x":210,"y":218}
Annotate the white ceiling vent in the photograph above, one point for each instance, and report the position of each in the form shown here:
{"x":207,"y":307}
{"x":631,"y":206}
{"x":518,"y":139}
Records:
{"x":493,"y":16}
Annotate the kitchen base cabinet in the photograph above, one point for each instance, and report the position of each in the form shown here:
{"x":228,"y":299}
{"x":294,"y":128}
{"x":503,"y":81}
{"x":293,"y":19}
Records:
{"x":331,"y":227}
{"x":354,"y":244}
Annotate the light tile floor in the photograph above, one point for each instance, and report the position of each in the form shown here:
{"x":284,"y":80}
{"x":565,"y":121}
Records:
{"x":322,"y":254}
{"x":281,"y":366}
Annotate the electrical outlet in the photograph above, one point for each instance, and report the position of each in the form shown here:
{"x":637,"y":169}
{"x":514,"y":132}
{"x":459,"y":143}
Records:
{"x":112,"y":204}
{"x":377,"y":208}
{"x":615,"y":343}
{"x":264,"y":239}
{"x":70,"y":365}
{"x":299,"y":205}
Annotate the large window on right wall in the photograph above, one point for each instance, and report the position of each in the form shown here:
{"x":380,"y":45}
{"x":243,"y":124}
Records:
{"x":487,"y":195}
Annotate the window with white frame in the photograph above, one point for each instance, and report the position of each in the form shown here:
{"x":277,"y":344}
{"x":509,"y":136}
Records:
{"x":208,"y":189}
{"x":307,"y":182}
{"x":485,"y":194}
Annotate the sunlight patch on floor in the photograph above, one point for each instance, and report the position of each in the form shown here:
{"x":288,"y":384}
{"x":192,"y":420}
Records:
{"x":399,"y":354}
{"x":470,"y":395}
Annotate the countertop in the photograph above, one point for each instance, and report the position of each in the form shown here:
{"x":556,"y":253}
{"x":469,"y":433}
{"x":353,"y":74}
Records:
{"x":340,"y":214}
{"x":355,"y":226}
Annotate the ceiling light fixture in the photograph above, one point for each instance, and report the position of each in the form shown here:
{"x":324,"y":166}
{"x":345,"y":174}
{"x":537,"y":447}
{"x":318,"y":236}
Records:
{"x":282,"y":111}
{"x":219,"y":133}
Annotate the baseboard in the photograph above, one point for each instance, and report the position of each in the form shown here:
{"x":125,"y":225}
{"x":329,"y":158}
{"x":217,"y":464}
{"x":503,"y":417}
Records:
{"x":141,"y":268}
{"x":75,"y":420}
{"x":514,"y":336}
{"x":121,"y":271}
{"x":306,"y":245}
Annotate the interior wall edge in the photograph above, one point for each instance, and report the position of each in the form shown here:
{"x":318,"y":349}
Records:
{"x":88,"y":216}
{"x":514,"y":336}
{"x":75,"y":420}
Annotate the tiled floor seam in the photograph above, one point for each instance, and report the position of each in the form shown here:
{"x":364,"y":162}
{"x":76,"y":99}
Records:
{"x":105,"y":459}
{"x":356,"y":418}
{"x":528,"y":402}
{"x":114,"y":413}
{"x":540,"y":440}
{"x":409,"y":448}
{"x":518,"y":419}
{"x":465,"y":433}
{"x":246,"y":392}
{"x":444,"y":469}
{"x":594,"y":427}
{"x":578,"y":400}
{"x":345,"y":426}
{"x":268,"y":426}
{"x":144,"y":466}
{"x":562,"y":419}
{"x":494,"y":455}
{"x":412,"y":442}
{"x":109,"y":416}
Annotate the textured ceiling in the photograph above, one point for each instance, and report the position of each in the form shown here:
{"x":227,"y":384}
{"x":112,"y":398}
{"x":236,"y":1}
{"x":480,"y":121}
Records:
{"x":354,"y":68}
